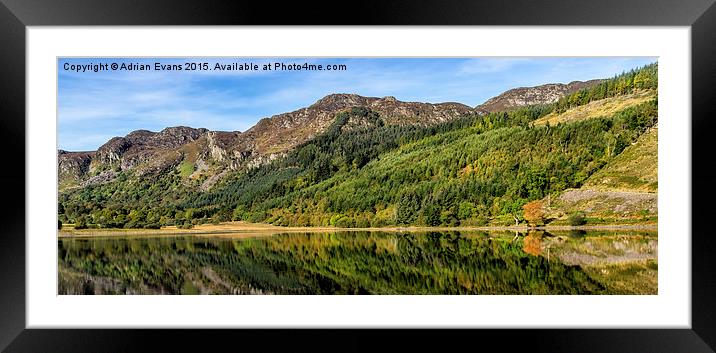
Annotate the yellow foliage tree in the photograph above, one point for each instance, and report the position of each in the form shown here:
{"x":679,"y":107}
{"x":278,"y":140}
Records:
{"x":533,"y":213}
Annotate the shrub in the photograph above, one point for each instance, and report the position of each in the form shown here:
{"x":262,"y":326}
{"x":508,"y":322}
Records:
{"x":577,"y":219}
{"x":345,"y":222}
{"x":362,"y":222}
{"x":152,"y":226}
{"x":478,"y":221}
{"x":334,"y":219}
{"x":378,"y":222}
{"x":81,"y":222}
{"x":431,"y":215}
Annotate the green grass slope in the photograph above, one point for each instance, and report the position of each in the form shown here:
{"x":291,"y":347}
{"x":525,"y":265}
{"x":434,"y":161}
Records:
{"x":635,"y":169}
{"x":603,"y":107}
{"x":624,"y":191}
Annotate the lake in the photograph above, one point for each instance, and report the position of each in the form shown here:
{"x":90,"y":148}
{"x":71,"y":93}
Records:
{"x":363,"y":262}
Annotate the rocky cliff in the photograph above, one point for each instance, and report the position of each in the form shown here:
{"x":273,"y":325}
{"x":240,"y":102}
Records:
{"x":524,"y":96}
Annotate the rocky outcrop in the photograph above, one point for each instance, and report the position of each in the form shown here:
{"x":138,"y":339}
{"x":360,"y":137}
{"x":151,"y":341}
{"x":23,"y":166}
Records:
{"x":142,"y":145}
{"x":524,"y":96}
{"x":101,"y":178}
{"x":219,"y":143}
{"x":72,"y":166}
{"x":111,"y":152}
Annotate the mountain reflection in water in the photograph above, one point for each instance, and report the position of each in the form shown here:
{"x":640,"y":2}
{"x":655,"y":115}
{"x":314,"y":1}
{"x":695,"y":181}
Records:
{"x":361,"y":263}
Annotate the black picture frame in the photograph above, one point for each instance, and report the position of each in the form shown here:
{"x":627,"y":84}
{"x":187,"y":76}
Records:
{"x":16,"y":15}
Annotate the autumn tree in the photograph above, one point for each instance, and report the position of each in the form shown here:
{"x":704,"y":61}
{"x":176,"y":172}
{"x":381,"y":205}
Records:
{"x":533,"y":213}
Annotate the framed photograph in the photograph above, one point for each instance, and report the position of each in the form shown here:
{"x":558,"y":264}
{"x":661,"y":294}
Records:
{"x":503,"y":178}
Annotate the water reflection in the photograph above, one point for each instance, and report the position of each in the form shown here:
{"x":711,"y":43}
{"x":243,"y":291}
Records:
{"x":329,"y":263}
{"x":577,"y":233}
{"x":532,"y":244}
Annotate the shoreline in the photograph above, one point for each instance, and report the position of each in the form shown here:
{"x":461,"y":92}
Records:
{"x":240,"y":228}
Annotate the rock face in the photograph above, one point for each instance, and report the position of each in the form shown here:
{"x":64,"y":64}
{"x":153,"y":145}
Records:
{"x":524,"y":96}
{"x":139,"y":146}
{"x":150,"y":152}
{"x":72,"y":166}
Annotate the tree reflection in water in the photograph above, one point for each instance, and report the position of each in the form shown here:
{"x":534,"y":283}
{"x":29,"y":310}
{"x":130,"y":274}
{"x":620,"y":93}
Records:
{"x":318,"y":263}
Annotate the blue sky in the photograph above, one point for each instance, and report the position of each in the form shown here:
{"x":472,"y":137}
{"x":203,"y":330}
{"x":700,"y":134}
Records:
{"x":96,"y":106}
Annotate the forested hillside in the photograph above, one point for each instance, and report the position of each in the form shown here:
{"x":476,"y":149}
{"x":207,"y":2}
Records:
{"x":365,"y":170}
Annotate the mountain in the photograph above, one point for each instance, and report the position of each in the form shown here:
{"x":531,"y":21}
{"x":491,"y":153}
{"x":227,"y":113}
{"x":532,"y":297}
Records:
{"x":212,"y":153}
{"x":524,"y":96}
{"x":283,"y":132}
{"x":270,"y":138}
{"x":349,"y":160}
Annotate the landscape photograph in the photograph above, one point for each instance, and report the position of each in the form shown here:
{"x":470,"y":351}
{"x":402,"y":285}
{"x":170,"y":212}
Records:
{"x":342,"y":176}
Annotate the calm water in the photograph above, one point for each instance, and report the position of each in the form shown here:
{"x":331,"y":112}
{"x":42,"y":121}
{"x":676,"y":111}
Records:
{"x":574,"y":262}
